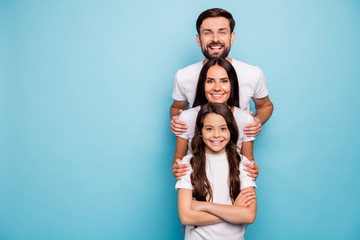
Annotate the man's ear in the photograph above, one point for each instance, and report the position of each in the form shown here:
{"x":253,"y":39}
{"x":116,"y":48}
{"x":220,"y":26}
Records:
{"x":198,"y":39}
{"x":232,"y":37}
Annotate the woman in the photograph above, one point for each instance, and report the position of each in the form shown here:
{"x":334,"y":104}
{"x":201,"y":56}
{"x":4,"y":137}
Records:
{"x":217,"y":83}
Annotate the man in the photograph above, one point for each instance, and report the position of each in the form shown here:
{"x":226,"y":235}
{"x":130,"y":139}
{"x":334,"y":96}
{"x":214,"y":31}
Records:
{"x":215,"y":37}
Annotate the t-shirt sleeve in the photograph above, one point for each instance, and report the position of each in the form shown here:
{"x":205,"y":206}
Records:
{"x":185,"y":181}
{"x":178,"y":93}
{"x":183,"y":117}
{"x":245,"y":180}
{"x":260,"y":88}
{"x":249,"y":119}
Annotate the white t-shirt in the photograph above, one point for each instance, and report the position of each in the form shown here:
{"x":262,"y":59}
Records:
{"x":217,"y":171}
{"x":251,"y":83}
{"x":242,"y":119}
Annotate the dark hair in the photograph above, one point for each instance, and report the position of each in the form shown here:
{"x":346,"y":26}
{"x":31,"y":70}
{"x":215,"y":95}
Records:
{"x":199,"y":180}
{"x":200,"y":98}
{"x":215,"y":12}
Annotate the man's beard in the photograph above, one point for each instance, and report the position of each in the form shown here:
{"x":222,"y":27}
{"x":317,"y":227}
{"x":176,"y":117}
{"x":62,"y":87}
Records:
{"x":222,"y":54}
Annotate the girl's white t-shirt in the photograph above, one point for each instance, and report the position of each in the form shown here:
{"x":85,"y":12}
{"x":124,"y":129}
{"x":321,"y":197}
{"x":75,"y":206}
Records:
{"x":217,"y":171}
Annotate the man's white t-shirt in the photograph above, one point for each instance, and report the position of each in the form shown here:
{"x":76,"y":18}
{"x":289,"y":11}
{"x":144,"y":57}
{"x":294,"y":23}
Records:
{"x":251,"y":83}
{"x":217,"y":171}
{"x":242,"y":119}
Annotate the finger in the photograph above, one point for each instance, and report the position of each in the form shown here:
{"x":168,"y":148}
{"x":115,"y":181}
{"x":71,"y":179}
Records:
{"x":251,"y":112}
{"x":249,"y":202}
{"x":179,"y":122}
{"x":254,"y":128}
{"x":176,"y":126}
{"x":179,"y":175}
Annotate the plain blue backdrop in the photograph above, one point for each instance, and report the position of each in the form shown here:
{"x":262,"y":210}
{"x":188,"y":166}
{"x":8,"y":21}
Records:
{"x":86,"y":87}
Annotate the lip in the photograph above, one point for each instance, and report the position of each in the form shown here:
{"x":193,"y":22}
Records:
{"x":217,"y":96}
{"x":216,"y":47}
{"x":216,"y":142}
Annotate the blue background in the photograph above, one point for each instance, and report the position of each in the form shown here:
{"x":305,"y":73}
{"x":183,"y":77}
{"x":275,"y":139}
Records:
{"x":86,"y":88}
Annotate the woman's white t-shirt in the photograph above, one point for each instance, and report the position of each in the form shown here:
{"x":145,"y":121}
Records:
{"x":242,"y":119}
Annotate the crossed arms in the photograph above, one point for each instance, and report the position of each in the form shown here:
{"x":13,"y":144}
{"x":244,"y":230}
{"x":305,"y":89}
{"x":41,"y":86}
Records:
{"x":192,"y":212}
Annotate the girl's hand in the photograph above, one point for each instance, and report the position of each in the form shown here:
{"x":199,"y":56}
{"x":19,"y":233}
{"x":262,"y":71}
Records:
{"x":245,"y":198}
{"x":252,"y":169}
{"x":179,"y":169}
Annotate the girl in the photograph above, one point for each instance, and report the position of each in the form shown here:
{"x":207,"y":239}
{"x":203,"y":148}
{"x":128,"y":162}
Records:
{"x":224,"y":195}
{"x":217,"y":83}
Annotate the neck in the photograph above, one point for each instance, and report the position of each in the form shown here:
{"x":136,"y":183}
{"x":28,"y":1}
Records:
{"x":227,"y":58}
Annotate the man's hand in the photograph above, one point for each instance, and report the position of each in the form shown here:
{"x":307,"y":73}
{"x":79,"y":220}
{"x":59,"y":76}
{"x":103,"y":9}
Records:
{"x":252,"y":169}
{"x":179,"y":170}
{"x":177,"y":127}
{"x":253,"y":129}
{"x":246,"y":198}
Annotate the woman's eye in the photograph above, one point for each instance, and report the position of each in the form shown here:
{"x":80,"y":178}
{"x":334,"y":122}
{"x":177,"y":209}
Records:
{"x":208,"y":129}
{"x":224,"y":129}
{"x":225,"y":81}
{"x":209,"y":81}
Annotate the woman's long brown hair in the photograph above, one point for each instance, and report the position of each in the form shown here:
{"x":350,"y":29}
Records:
{"x":202,"y":190}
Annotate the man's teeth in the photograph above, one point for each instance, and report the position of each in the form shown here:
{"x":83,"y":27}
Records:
{"x":218,"y":47}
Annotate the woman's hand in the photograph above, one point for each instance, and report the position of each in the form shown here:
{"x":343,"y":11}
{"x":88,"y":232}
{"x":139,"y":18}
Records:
{"x":179,"y":170}
{"x":252,"y":169}
{"x":245,"y":198}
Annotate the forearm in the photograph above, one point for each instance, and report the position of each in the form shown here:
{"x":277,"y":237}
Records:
{"x":198,"y":218}
{"x":232,"y":213}
{"x":176,"y":107}
{"x":189,"y":216}
{"x":263,"y":113}
{"x":247,"y":150}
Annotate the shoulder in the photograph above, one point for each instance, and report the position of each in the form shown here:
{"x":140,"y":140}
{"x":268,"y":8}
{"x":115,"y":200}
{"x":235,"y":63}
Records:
{"x":242,"y":116}
{"x":244,"y":66}
{"x":186,"y":159}
{"x":190,"y":70}
{"x":190,"y":113}
{"x":244,"y":69}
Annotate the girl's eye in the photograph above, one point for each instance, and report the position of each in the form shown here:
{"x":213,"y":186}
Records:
{"x":208,"y":129}
{"x":223,"y":128}
{"x":209,"y":81}
{"x":225,"y":81}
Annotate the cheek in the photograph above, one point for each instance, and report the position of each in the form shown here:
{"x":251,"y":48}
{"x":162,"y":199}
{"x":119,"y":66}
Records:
{"x":227,"y":87}
{"x":207,"y":89}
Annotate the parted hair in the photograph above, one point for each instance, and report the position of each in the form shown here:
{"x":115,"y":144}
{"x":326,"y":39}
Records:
{"x":200,"y":98}
{"x":215,"y":12}
{"x":202,"y":190}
